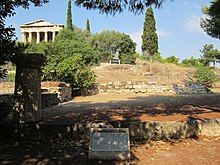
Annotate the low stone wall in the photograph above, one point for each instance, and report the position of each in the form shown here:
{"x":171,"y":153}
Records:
{"x":139,"y":131}
{"x":63,"y":90}
{"x":134,"y":87}
{"x":145,"y":87}
{"x":47,"y":100}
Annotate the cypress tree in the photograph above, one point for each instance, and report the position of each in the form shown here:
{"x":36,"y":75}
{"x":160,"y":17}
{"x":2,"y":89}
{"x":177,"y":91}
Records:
{"x":149,"y":38}
{"x":88,"y":25}
{"x":69,"y":23}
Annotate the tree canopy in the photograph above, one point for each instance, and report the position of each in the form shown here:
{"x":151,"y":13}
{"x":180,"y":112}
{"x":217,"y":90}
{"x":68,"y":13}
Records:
{"x":110,"y":43}
{"x":69,"y":22}
{"x":211,"y":24}
{"x":149,"y":38}
{"x":113,"y":6}
{"x":210,"y":54}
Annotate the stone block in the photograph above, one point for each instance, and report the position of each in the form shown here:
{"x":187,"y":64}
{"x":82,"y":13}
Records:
{"x":109,"y":144}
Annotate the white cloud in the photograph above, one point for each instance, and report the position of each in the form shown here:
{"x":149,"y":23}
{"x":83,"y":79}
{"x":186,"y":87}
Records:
{"x":192,"y":24}
{"x":162,"y":33}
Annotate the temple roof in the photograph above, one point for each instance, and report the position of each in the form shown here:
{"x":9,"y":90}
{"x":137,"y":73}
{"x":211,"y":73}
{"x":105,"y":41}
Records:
{"x":39,"y":23}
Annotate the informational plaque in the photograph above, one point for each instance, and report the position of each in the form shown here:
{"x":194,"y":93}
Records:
{"x":109,"y":144}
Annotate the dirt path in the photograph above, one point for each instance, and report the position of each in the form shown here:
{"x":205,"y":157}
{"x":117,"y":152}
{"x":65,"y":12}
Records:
{"x":187,"y":151}
{"x":136,"y":107}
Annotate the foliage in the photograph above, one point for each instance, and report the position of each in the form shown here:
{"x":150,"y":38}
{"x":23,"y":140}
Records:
{"x":127,"y":59}
{"x":172,"y":60}
{"x":209,"y":54}
{"x":158,"y":57}
{"x":118,"y":6}
{"x":69,"y":58}
{"x":88,"y":26}
{"x":211,"y":24}
{"x":11,"y":77}
{"x":192,"y":62}
{"x":205,"y":76}
{"x":109,"y":43}
{"x":69,"y":23}
{"x":149,"y":38}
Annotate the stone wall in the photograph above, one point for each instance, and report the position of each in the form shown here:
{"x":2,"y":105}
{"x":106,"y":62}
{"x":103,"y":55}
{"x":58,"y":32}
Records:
{"x":134,"y":87}
{"x":145,"y":87}
{"x":63,"y":90}
{"x":139,"y":131}
{"x":47,"y":100}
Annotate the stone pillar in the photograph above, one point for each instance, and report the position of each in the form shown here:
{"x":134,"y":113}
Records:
{"x":54,"y":34}
{"x":46,"y":36}
{"x":28,"y":88}
{"x":30,"y":37}
{"x":23,"y":37}
{"x":38,"y":37}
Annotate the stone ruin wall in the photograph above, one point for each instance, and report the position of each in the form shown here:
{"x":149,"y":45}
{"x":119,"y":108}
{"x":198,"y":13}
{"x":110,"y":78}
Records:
{"x":63,"y":90}
{"x":146,"y":87}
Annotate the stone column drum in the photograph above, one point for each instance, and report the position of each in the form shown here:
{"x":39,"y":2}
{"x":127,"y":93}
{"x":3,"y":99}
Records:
{"x":28,"y":88}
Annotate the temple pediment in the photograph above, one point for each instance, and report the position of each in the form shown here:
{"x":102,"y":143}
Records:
{"x":38,"y":23}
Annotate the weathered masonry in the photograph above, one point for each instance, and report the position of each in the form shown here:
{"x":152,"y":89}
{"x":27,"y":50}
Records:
{"x":40,"y":30}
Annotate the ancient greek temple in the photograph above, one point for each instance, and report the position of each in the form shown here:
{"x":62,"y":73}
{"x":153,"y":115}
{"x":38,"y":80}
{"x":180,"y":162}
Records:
{"x":40,"y":30}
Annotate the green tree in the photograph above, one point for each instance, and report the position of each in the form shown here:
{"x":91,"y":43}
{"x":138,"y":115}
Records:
{"x":88,"y":26}
{"x":192,"y":62}
{"x":206,"y":76}
{"x":69,"y":59}
{"x":149,"y":38}
{"x":108,"y":43}
{"x":69,"y":22}
{"x":172,"y":59}
{"x":211,"y":24}
{"x":210,"y":54}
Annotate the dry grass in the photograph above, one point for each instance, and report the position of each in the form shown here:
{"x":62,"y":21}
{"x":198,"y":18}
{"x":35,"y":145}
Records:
{"x":147,"y":72}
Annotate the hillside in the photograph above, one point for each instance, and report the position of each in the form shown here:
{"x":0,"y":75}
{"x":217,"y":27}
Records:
{"x":146,"y":72}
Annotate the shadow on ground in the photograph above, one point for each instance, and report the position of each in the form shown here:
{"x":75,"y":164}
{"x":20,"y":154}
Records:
{"x":143,"y":108}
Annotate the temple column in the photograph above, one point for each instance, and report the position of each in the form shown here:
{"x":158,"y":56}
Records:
{"x":23,"y":37}
{"x":30,"y":37}
{"x":54,"y":34}
{"x":46,"y":36}
{"x":38,"y":37}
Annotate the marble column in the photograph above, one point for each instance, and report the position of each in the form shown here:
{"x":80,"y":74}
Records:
{"x":54,"y":34}
{"x":23,"y":37}
{"x":30,"y":37}
{"x":38,"y":37}
{"x":46,"y":36}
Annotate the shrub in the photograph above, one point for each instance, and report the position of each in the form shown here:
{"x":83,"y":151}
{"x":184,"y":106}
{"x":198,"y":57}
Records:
{"x":205,"y":76}
{"x":11,"y":77}
{"x":192,"y":62}
{"x":127,"y":59}
{"x":172,"y":60}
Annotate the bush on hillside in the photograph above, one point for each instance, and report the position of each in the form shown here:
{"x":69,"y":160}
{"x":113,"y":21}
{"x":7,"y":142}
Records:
{"x":172,"y":60}
{"x":206,"y":76}
{"x":192,"y":62}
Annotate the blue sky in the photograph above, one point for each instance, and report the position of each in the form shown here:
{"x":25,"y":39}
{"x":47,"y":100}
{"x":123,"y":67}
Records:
{"x":177,"y":22}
